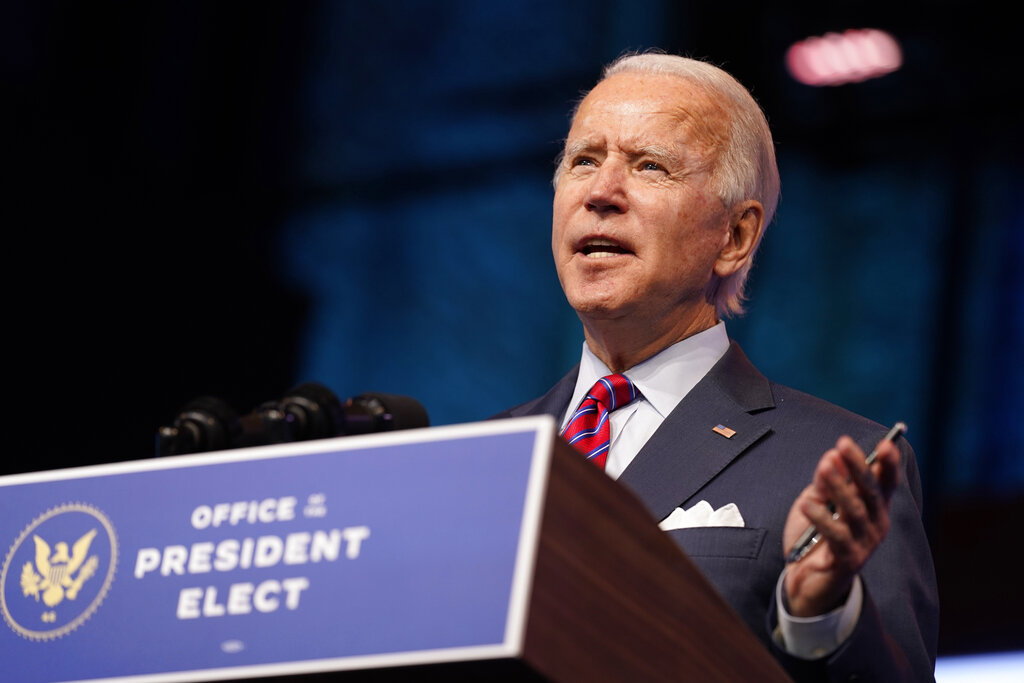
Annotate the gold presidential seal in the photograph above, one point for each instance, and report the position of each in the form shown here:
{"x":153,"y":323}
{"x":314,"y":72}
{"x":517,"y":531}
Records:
{"x":50,"y":585}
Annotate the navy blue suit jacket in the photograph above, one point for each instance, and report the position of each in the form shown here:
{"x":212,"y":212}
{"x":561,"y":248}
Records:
{"x":780,"y":436}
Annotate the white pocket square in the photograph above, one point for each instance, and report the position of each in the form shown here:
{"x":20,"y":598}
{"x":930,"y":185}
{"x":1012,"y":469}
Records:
{"x":701,"y":515}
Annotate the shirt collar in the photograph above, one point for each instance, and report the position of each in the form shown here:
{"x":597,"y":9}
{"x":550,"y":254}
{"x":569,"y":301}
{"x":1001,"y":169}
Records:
{"x":665,"y":378}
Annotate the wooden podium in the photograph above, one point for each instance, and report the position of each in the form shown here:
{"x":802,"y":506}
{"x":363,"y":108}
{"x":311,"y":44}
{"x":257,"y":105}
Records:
{"x":615,"y":599}
{"x":599,"y":592}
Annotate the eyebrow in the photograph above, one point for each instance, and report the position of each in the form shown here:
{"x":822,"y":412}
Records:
{"x":659,"y":152}
{"x":575,"y":147}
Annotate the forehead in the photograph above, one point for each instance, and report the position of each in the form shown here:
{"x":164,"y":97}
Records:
{"x":629,"y":105}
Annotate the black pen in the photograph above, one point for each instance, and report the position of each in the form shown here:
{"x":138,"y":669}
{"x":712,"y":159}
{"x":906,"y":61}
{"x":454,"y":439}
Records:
{"x":810,"y":538}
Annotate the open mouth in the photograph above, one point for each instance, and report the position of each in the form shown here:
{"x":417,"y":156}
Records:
{"x":602,"y":248}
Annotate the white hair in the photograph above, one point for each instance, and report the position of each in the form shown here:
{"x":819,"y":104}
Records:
{"x":745,"y":166}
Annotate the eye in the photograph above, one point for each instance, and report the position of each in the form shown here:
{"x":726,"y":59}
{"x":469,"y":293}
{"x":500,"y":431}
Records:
{"x":583,"y":161}
{"x":651,"y":166}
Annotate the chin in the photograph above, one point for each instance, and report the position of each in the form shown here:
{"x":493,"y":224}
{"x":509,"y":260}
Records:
{"x":596,"y":308}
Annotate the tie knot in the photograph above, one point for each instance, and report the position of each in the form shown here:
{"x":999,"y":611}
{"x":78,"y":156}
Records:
{"x":613,"y":391}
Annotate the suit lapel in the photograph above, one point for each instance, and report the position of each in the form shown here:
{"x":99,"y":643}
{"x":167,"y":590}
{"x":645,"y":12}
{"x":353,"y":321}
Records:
{"x":686,"y":452}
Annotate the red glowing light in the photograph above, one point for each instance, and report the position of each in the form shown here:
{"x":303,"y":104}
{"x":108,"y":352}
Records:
{"x":849,"y":57}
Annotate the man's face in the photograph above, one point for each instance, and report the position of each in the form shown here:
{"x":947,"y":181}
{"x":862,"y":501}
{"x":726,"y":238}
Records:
{"x":636,"y":230}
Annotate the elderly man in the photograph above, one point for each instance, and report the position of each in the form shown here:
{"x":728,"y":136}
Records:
{"x":665,"y":187}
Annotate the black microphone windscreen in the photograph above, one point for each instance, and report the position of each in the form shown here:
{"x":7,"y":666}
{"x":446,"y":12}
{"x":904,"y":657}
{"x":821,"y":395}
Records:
{"x":315,"y":411}
{"x":206,"y":423}
{"x":405,"y":412}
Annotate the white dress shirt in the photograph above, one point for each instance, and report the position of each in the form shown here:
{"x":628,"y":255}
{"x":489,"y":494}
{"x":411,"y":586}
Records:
{"x":663,"y":381}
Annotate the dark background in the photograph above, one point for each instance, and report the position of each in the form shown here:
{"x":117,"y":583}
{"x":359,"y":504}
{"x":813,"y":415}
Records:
{"x":232,"y":198}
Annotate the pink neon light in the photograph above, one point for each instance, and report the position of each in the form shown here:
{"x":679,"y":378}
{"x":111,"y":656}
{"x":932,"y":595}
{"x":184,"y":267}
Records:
{"x":849,"y":57}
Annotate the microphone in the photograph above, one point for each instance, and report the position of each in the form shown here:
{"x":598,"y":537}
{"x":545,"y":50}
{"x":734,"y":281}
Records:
{"x":309,"y":411}
{"x":204,"y":424}
{"x":314,"y":412}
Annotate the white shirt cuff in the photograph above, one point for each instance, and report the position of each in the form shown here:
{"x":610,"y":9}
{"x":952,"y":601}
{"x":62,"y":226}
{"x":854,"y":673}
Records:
{"x":817,"y":637}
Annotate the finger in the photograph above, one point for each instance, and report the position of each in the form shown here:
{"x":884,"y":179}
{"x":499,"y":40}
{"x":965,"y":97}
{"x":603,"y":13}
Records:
{"x":863,"y":502}
{"x":830,"y":463}
{"x":835,"y":534}
{"x":812,"y":493}
{"x":825,"y":521}
{"x":855,"y":507}
{"x":866,"y":486}
{"x":850,"y":534}
{"x":887,"y":468}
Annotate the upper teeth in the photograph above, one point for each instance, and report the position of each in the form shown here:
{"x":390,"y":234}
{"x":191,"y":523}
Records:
{"x":595,"y":248}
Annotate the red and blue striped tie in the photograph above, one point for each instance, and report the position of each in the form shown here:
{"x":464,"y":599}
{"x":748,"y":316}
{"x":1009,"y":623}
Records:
{"x":587,"y":429}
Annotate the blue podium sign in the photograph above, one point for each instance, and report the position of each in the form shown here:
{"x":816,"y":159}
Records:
{"x":404,"y":548}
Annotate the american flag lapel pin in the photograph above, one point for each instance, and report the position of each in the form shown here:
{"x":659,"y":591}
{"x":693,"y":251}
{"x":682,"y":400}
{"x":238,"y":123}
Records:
{"x":724,"y":431}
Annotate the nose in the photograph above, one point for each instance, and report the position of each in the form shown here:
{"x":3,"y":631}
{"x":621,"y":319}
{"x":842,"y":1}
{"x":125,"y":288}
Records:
{"x":607,"y":190}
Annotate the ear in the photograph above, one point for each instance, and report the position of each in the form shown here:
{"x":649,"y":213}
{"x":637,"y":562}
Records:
{"x":745,"y":226}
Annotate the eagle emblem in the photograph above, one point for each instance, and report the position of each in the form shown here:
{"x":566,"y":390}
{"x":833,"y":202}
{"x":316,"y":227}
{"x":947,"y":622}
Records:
{"x":51,"y":583}
{"x":58,"y":575}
